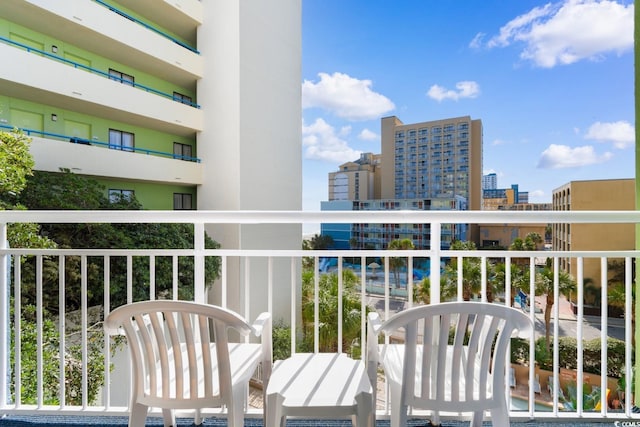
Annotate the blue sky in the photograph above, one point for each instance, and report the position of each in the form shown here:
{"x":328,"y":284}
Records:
{"x":552,"y":83}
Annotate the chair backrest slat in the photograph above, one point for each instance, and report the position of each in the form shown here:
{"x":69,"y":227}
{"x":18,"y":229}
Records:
{"x":156,"y":326}
{"x":177,"y":367}
{"x":457,"y":359}
{"x":441,"y":361}
{"x":427,"y":333}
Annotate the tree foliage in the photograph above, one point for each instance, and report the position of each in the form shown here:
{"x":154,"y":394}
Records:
{"x":328,"y":310}
{"x":398,"y":263}
{"x":545,"y":285}
{"x":68,"y":191}
{"x":16,"y":163}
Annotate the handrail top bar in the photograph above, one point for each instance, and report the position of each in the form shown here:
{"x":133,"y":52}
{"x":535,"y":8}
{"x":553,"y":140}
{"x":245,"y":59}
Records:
{"x":323,"y":253}
{"x":312,"y":217}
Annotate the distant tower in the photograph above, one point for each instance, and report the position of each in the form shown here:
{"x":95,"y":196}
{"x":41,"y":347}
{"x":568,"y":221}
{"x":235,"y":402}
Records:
{"x":490,"y":181}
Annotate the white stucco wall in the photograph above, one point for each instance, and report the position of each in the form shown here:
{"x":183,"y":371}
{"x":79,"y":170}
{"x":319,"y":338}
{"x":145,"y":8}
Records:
{"x":251,"y":98}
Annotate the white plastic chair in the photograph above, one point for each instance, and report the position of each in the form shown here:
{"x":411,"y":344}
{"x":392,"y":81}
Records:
{"x":182,"y":357}
{"x":453,"y":359}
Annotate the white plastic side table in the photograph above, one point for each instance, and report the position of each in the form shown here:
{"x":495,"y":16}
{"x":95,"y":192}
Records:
{"x":323,"y":385}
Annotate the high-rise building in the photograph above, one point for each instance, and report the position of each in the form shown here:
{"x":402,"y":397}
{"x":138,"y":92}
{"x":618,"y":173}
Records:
{"x":170,"y":101}
{"x":357,"y":180}
{"x":435,"y":159}
{"x":489,"y":181}
{"x":434,"y":165}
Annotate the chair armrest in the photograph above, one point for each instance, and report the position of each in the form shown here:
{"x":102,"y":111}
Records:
{"x":262,"y":321}
{"x":374,"y":322}
{"x":262,"y":328}
{"x":372,"y":357}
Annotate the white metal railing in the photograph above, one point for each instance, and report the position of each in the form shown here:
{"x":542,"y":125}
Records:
{"x":256,"y":275}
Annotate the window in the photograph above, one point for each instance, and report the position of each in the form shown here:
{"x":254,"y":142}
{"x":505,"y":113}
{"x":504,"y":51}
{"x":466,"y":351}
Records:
{"x":182,"y":201}
{"x":117,"y":195}
{"x":182,"y":151}
{"x":123,"y":78}
{"x":182,"y":98}
{"x":120,"y":140}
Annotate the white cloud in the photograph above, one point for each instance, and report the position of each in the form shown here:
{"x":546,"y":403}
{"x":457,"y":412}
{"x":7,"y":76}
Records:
{"x":345,"y":131}
{"x":621,"y":133}
{"x":367,"y":135}
{"x":567,"y":32}
{"x":477,"y":41}
{"x":465,"y":89}
{"x":498,"y":142}
{"x":345,"y":96}
{"x":538,"y":196}
{"x":562,"y":157}
{"x":321,"y":142}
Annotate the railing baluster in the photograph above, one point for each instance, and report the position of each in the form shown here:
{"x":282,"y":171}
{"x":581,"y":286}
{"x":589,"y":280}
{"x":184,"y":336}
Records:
{"x":294,"y":307}
{"x":604,"y":329}
{"x":152,"y":277}
{"x":39,"y":332}
{"x":174,"y":278}
{"x":84,"y":325}
{"x":62,"y":316}
{"x":198,"y":262}
{"x":106,"y":298}
{"x":17,"y":326}
{"x":129,"y":279}
{"x":628,"y":331}
{"x":4,"y":319}
{"x":579,"y":325}
{"x":316,"y":305}
{"x":340,"y":304}
{"x":556,"y":329}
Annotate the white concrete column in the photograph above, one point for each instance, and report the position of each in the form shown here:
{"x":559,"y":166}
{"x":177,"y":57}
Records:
{"x":251,"y":143}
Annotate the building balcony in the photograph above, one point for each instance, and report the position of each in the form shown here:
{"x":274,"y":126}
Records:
{"x":37,"y":284}
{"x":77,"y":88}
{"x":91,"y":25}
{"x":95,"y":158}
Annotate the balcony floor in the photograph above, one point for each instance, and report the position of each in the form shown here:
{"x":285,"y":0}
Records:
{"x":118,"y":421}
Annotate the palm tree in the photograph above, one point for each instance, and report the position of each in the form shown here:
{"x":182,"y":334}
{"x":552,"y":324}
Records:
{"x":529,"y":243}
{"x":328,"y":310}
{"x":396,"y":263}
{"x":519,"y":278}
{"x":471,"y":273}
{"x":422,"y":291}
{"x":545,"y":286}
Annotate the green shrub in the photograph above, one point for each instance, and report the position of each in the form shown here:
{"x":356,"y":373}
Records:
{"x":281,"y":335}
{"x":568,"y":351}
{"x":520,"y":351}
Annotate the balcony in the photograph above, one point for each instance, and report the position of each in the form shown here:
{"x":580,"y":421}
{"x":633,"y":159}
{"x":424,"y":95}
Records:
{"x":34,"y":282}
{"x":74,"y":86}
{"x":90,"y":26}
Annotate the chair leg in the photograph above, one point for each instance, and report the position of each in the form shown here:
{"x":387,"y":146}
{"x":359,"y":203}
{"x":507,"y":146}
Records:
{"x":169,"y":417}
{"x":138,"y":415}
{"x":500,"y":417}
{"x":235,"y":411}
{"x":366,"y":414}
{"x":398,"y":411}
{"x":476,"y":420}
{"x":273,"y":410}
